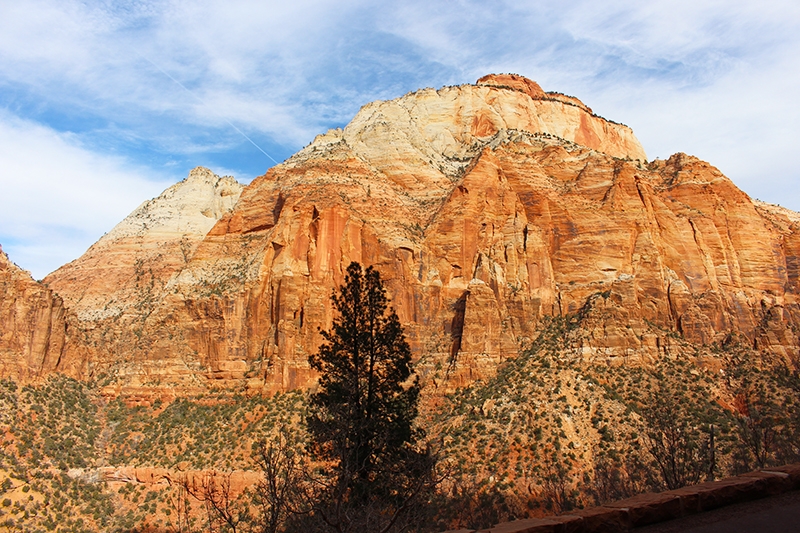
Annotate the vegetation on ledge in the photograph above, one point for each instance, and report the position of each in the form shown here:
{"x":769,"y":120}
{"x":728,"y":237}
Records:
{"x":549,"y":432}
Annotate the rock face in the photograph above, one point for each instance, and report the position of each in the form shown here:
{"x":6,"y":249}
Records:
{"x":32,"y":326}
{"x":134,"y":261}
{"x":485,"y":207}
{"x":115,"y":286}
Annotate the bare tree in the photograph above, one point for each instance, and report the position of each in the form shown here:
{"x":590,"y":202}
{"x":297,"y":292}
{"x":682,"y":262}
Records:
{"x":618,"y":478}
{"x":179,"y":501}
{"x":762,"y":388}
{"x":758,"y":425}
{"x":280,"y":493}
{"x":224,"y":510}
{"x":559,"y":493}
{"x":332,"y":507}
{"x":678,"y":443}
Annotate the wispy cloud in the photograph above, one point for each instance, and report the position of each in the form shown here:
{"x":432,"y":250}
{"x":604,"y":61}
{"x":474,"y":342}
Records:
{"x":716,"y":79}
{"x":59,"y":197}
{"x":155,"y":87}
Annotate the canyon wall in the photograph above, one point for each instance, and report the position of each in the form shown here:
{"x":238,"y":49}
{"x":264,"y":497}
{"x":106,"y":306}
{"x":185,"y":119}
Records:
{"x":485,"y":207}
{"x":33,"y":324}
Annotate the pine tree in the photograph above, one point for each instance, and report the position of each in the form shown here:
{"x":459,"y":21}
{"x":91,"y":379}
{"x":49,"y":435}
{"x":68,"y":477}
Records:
{"x":362,"y":415}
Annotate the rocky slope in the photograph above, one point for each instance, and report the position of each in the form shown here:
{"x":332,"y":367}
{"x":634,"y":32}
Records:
{"x":112,"y":288}
{"x":485,"y":207}
{"x":131,"y":264}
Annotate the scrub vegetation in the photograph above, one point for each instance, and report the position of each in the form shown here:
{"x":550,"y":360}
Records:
{"x":547,"y":433}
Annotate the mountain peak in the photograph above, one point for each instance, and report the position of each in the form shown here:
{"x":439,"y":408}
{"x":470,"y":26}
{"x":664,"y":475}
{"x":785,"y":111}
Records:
{"x":161,"y":233}
{"x":190,"y":206}
{"x":437,"y":134}
{"x":486,"y":207}
{"x":201,"y":175}
{"x":531,"y":88}
{"x":513,"y":81}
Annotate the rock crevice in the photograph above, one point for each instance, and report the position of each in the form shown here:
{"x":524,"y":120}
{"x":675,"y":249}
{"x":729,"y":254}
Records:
{"x":485,"y":207}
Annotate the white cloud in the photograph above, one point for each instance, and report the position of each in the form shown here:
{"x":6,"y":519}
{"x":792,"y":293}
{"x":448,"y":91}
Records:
{"x":58,"y":198}
{"x":717,"y":79}
{"x":78,"y":55}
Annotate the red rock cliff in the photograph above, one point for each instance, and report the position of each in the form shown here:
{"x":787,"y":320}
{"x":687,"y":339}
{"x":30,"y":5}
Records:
{"x":32,"y":326}
{"x":485,"y":207}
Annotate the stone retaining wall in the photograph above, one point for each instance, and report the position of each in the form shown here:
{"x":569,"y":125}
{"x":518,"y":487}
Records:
{"x":650,"y":508}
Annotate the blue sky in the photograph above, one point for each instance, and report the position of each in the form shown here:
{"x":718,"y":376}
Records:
{"x":103,"y":104}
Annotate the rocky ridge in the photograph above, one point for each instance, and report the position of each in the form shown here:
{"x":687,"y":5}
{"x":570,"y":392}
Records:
{"x":485,"y":207}
{"x":141,"y":253}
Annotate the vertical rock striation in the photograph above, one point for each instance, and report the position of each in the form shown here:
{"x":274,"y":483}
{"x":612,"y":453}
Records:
{"x":32,"y":326}
{"x":486,"y":208}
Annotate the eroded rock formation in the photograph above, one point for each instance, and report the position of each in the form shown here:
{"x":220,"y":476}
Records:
{"x":485,"y":207}
{"x":113,"y":288}
{"x":130,"y":265}
{"x":32,"y":326}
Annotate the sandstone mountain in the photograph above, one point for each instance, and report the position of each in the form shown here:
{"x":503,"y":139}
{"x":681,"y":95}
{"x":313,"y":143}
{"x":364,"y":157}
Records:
{"x":485,"y":207}
{"x":132,"y":263}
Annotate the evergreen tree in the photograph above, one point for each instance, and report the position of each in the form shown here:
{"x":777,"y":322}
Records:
{"x":362,"y":414}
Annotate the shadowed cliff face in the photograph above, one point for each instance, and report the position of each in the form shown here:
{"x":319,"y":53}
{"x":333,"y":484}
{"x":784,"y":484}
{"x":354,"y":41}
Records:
{"x":485,"y":207}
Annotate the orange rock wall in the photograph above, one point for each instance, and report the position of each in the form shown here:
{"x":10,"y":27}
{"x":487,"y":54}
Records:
{"x":536,"y":227}
{"x":32,"y":326}
{"x":485,"y":208}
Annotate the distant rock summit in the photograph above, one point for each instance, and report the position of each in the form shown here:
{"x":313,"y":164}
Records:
{"x":485,"y":207}
{"x":133,"y":262}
